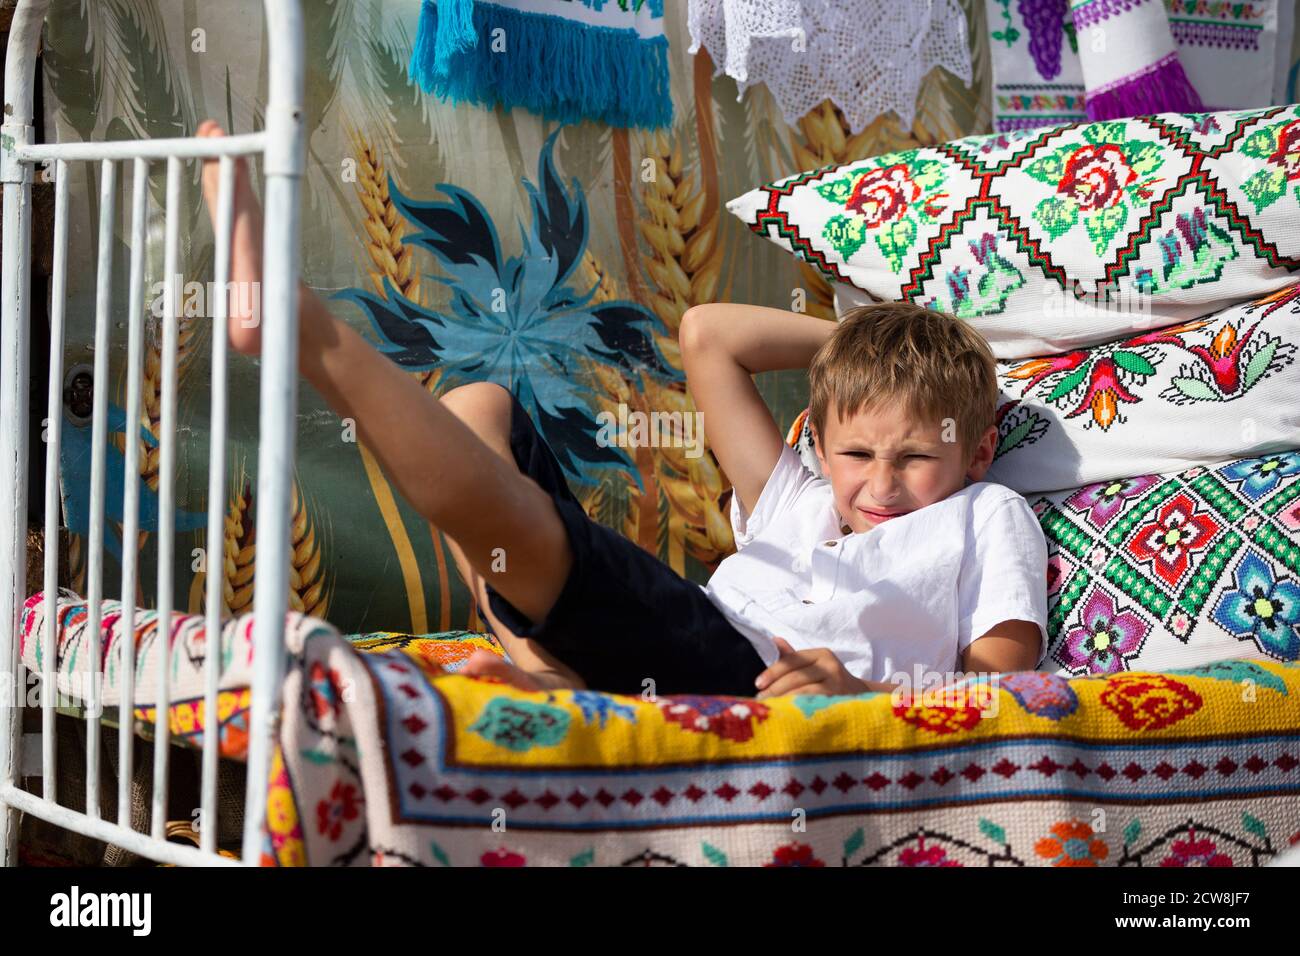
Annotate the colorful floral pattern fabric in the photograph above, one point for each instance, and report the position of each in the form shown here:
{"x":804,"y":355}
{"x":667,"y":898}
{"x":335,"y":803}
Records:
{"x":1235,"y":54}
{"x":1057,"y":239}
{"x":1035,"y":769}
{"x":434,"y":654}
{"x":1161,"y":571}
{"x":187,"y":657}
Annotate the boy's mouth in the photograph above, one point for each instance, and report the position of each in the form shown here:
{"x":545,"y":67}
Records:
{"x":882,"y":515}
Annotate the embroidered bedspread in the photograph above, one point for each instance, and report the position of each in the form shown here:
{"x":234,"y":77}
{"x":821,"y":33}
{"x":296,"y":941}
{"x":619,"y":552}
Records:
{"x":388,"y":757}
{"x":186,"y":663}
{"x":389,"y":761}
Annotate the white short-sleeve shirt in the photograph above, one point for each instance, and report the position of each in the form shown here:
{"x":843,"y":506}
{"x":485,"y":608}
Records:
{"x":913,"y":592}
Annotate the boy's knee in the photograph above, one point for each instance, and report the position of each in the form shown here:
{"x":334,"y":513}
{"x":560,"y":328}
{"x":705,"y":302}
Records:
{"x":690,"y":328}
{"x":479,"y":399}
{"x":486,"y":408}
{"x":697,"y":325}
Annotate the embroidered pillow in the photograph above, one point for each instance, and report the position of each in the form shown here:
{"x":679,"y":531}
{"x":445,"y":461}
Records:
{"x":1057,"y":239}
{"x":1178,"y":570}
{"x":1209,"y":390}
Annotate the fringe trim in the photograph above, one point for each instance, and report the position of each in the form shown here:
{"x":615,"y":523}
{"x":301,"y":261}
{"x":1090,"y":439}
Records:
{"x":1162,"y":87}
{"x":558,"y":68}
{"x":440,"y":39}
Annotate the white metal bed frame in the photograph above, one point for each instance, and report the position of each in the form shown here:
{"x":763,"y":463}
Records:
{"x":282,"y":146}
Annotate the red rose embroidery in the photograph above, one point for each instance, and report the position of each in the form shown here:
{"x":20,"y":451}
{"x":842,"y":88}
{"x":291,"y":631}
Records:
{"x":501,"y":857}
{"x":922,"y":855}
{"x":1287,"y":154}
{"x":948,"y":710}
{"x":794,"y":854}
{"x":882,"y":195}
{"x":730,"y":718}
{"x":1095,"y":176}
{"x":1149,"y":701}
{"x":939,"y":720}
{"x":1194,"y":852}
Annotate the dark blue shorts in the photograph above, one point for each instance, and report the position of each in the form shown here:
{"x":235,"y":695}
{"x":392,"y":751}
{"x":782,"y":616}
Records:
{"x":624,"y":617}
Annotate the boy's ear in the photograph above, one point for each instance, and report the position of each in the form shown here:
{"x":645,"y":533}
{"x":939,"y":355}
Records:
{"x":982,"y":459}
{"x":817,"y":447}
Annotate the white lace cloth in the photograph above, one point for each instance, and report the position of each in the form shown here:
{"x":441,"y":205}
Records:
{"x":866,"y":56}
{"x":727,"y":27}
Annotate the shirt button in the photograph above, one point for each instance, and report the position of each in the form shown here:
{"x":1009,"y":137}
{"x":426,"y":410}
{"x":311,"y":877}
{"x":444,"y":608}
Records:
{"x":806,"y":601}
{"x":831,"y":544}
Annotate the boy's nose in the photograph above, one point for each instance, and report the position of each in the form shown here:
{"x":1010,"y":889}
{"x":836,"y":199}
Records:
{"x":883,"y":489}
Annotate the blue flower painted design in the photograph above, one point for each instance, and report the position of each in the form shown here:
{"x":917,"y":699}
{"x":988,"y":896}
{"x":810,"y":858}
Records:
{"x":600,"y":707}
{"x":1261,"y":608}
{"x":521,"y":322}
{"x":1260,"y":476}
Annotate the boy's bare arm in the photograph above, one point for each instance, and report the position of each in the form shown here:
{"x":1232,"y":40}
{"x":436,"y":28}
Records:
{"x":723,"y":346}
{"x":1003,"y":649}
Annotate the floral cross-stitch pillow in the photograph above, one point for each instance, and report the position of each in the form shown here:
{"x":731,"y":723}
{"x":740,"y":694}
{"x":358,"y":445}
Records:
{"x":1179,"y":570}
{"x":1056,"y":239}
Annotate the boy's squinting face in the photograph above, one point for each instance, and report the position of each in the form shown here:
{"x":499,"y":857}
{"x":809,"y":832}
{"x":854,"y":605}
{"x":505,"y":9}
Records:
{"x":882,"y":463}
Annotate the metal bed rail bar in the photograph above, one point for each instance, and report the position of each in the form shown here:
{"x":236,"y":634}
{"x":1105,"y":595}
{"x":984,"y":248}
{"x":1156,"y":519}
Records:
{"x":282,"y":146}
{"x":183,"y":148}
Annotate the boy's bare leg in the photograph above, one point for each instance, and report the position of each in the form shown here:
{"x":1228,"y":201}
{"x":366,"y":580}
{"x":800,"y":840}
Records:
{"x":485,"y":408}
{"x":436,"y":461}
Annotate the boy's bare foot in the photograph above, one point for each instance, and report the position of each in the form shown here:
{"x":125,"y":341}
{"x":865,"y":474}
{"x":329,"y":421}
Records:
{"x":245,"y":300}
{"x":486,"y":664}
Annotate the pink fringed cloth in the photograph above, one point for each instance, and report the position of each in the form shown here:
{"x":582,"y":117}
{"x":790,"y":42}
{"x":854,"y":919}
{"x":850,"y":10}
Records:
{"x":1130,"y":65}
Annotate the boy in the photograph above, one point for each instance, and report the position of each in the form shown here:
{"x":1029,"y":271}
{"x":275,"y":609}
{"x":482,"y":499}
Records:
{"x":837,"y":584}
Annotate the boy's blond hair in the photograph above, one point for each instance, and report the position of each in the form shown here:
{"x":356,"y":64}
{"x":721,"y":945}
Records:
{"x":901,"y":356}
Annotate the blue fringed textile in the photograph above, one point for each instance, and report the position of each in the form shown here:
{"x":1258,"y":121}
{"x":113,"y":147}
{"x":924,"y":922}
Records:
{"x":603,"y":60}
{"x":450,"y":35}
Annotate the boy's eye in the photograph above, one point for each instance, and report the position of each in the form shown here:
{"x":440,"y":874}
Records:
{"x":867,"y":454}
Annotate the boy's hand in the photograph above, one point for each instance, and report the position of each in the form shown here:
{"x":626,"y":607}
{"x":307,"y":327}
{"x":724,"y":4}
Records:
{"x":817,"y":671}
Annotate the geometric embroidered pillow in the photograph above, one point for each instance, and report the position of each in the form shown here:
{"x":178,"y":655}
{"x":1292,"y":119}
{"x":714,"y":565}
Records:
{"x":1178,"y":570}
{"x":1055,"y":239}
